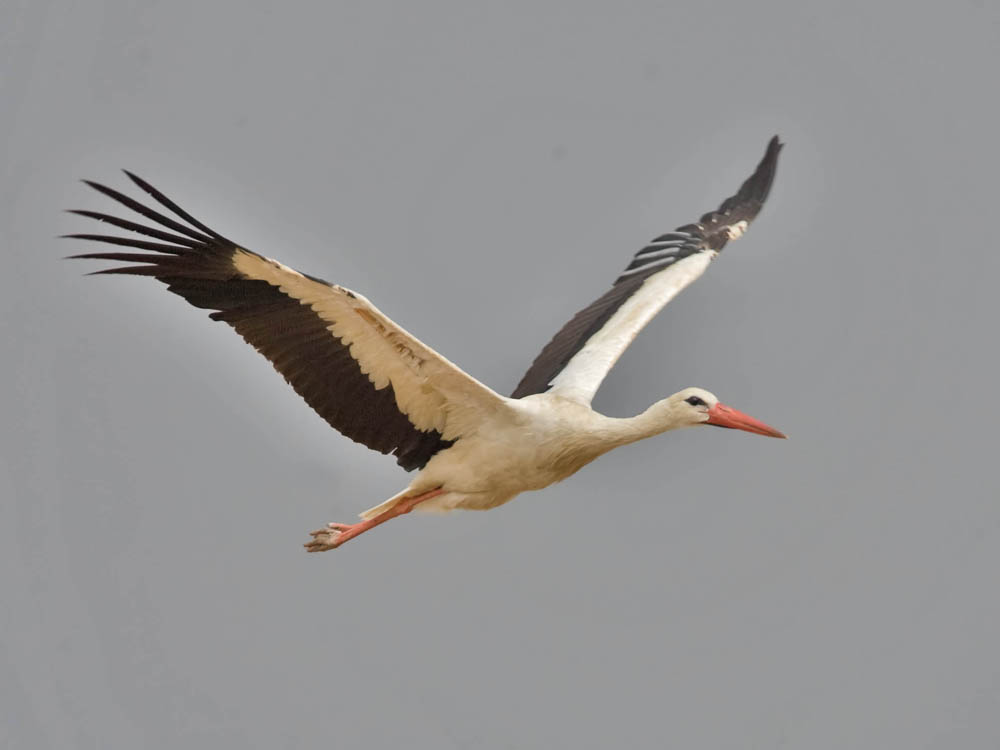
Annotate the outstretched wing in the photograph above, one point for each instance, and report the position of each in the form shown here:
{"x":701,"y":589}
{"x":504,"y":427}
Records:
{"x":362,"y":373}
{"x":578,"y":358}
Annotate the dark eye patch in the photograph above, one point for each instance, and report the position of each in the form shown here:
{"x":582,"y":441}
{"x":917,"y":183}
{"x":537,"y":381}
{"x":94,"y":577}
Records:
{"x":695,"y":401}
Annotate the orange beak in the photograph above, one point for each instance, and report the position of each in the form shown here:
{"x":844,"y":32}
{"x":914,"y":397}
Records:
{"x":725,"y":416}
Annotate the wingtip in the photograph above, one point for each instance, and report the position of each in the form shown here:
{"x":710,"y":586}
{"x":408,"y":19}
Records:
{"x":746,"y":203}
{"x":136,"y":179}
{"x":758,"y":185}
{"x":774,"y":147}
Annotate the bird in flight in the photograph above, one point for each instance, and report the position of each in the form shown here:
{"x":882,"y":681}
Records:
{"x":381,"y":386}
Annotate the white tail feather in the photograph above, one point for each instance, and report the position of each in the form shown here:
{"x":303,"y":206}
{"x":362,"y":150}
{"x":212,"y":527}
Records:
{"x":383,"y":507}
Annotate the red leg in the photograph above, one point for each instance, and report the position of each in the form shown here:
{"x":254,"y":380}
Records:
{"x":336,"y":534}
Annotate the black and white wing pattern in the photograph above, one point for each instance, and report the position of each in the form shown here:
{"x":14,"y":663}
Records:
{"x":365,"y":375}
{"x":574,"y":363}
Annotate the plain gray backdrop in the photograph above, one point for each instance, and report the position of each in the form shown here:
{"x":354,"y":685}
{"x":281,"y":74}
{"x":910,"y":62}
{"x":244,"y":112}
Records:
{"x":481,"y":172}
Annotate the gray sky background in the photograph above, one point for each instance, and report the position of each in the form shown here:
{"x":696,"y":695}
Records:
{"x":480,"y":174}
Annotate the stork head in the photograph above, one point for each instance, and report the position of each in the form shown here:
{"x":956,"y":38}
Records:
{"x":695,"y":406}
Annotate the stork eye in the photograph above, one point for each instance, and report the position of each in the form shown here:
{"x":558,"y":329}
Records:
{"x":695,"y":401}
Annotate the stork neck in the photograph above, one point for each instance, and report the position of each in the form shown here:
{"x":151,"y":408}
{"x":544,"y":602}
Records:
{"x":660,"y":417}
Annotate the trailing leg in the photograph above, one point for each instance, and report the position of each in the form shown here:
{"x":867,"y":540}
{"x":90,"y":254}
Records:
{"x":336,"y":534}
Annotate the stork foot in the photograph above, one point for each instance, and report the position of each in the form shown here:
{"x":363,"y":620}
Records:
{"x":336,"y":534}
{"x":331,"y":537}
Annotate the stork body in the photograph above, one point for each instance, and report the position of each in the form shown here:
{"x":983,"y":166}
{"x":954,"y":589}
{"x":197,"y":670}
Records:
{"x":381,"y":386}
{"x":531,"y":443}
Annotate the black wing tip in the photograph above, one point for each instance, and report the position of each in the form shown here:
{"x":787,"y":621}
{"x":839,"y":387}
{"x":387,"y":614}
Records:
{"x":95,"y":185}
{"x":163,"y":200}
{"x":205,"y":235}
{"x":714,"y":227}
{"x":104,"y":189}
{"x":774,"y":147}
{"x":139,"y":182}
{"x":758,"y":185}
{"x":750,"y":198}
{"x":131,"y":175}
{"x":188,"y":233}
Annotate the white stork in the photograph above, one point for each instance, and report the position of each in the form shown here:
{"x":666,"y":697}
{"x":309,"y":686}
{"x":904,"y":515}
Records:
{"x":381,"y":386}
